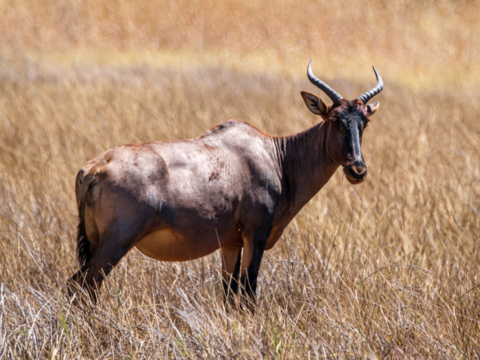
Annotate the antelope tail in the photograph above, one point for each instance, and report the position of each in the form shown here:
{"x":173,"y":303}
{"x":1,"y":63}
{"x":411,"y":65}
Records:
{"x":84,"y":185}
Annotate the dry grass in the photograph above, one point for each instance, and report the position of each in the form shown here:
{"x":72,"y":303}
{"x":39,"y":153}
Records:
{"x":386,"y":269}
{"x":414,"y":42}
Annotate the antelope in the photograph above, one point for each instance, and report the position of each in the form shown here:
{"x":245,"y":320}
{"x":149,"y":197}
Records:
{"x":232,"y":188}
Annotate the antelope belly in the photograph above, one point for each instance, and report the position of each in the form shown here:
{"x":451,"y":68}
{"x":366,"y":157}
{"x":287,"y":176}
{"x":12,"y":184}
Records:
{"x":167,"y":245}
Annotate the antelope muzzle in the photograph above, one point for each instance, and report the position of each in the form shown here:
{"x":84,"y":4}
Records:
{"x":356,"y":171}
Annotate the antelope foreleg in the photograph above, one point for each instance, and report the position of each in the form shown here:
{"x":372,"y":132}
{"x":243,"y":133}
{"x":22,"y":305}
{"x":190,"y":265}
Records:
{"x":254,"y":247}
{"x":231,"y":259}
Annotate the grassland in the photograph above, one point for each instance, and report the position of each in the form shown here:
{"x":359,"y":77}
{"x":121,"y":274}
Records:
{"x":386,"y":269}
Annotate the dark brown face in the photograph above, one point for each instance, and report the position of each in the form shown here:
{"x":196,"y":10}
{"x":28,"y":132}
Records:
{"x":348,"y":121}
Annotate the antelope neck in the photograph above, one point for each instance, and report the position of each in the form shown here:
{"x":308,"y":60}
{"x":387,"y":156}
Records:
{"x":306,"y":164}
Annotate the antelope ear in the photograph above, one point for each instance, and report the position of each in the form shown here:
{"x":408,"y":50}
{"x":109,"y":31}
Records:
{"x":372,"y":108}
{"x":314,"y":104}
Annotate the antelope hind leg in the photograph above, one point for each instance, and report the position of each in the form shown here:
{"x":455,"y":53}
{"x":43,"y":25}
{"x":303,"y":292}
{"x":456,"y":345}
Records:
{"x":111,"y":250}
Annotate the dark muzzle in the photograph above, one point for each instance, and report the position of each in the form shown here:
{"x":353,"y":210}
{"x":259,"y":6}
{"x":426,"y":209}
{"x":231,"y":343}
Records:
{"x":356,"y":172}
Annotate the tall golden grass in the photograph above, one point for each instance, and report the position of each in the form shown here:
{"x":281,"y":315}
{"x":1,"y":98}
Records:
{"x":386,"y":269}
{"x":414,"y":42}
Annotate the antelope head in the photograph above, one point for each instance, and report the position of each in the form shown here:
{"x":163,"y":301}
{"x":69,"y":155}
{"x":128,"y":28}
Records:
{"x":346,"y":121}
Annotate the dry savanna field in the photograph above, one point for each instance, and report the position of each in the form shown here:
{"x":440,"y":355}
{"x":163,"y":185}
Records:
{"x":389,"y":268}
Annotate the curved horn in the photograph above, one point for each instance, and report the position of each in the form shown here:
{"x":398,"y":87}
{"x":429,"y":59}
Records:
{"x":332,"y":94}
{"x":371,"y":93}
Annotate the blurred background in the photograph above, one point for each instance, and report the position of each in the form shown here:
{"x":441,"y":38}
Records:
{"x":386,"y":269}
{"x":422,"y":44}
